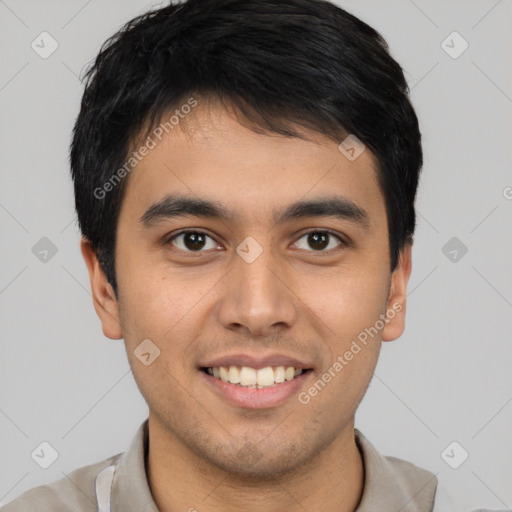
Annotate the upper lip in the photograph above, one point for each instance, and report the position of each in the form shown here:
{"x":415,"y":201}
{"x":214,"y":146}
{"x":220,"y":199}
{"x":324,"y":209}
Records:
{"x":255,"y":361}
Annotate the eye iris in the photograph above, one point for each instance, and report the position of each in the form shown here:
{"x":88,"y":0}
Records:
{"x":318,"y":241}
{"x":194,"y":241}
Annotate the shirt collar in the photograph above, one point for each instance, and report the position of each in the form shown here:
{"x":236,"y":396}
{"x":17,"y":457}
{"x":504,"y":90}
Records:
{"x":130,"y":488}
{"x":393,"y":484}
{"x":390,"y":483}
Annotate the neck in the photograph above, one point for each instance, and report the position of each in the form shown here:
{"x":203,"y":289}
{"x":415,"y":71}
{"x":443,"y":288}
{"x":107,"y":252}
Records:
{"x":180,"y":480}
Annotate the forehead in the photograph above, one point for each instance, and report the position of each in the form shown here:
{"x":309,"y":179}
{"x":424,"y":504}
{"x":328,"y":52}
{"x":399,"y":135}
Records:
{"x":208,"y":154}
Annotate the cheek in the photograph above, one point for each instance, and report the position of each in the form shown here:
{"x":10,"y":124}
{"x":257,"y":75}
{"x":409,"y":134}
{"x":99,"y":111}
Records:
{"x":152,"y":302}
{"x":340,"y":387}
{"x":356,"y":332}
{"x":350,"y":303}
{"x":166,"y":309}
{"x":151,"y":312}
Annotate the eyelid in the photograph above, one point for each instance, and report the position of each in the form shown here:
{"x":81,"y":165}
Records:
{"x":340,"y":238}
{"x":198,"y":231}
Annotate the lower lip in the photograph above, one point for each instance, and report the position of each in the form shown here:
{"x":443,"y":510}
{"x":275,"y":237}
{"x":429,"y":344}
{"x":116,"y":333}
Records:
{"x":253,"y":398}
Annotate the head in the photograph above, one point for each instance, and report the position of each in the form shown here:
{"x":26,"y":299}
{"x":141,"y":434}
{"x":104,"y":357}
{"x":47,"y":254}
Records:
{"x":222,"y":116}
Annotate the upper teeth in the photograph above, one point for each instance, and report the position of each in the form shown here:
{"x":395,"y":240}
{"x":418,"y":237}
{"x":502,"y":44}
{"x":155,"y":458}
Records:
{"x":251,"y":377}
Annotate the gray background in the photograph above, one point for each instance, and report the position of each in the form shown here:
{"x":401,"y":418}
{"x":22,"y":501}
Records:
{"x":448,"y":378}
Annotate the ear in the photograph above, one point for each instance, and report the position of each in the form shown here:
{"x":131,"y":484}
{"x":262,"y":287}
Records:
{"x":104,"y":299}
{"x":396,"y":306}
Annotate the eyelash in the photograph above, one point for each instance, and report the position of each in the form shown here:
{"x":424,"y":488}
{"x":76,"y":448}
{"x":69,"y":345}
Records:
{"x":342,"y":244}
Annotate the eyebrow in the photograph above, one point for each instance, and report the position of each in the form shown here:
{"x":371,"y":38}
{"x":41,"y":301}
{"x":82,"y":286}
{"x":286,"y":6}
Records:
{"x":173,"y":206}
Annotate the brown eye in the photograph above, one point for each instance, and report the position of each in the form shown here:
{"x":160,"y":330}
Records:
{"x":319,"y":241}
{"x":192,"y":241}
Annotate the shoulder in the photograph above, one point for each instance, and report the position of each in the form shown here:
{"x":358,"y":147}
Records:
{"x":76,"y":492}
{"x":392,"y":483}
{"x":398,"y":483}
{"x":444,"y":501}
{"x":408,"y":472}
{"x":414,"y":481}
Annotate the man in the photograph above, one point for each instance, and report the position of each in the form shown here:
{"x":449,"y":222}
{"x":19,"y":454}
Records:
{"x":245,"y":175}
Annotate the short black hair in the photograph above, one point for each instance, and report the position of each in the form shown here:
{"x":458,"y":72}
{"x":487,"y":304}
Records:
{"x":281,"y":64}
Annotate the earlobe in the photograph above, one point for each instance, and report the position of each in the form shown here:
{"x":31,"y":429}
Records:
{"x":104,"y":299}
{"x":396,"y":306}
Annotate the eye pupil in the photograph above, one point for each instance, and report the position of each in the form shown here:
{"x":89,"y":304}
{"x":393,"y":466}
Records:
{"x":318,"y":241}
{"x":194,"y":241}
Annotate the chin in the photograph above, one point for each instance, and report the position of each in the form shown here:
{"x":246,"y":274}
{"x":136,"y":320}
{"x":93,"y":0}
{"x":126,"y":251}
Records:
{"x":250,"y":463}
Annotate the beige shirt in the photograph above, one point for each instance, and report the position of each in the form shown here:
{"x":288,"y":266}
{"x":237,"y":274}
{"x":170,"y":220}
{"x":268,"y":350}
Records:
{"x":119,"y":484}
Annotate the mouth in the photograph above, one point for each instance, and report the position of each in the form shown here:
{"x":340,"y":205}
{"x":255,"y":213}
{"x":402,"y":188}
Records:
{"x":254,"y":378}
{"x":247,"y":387}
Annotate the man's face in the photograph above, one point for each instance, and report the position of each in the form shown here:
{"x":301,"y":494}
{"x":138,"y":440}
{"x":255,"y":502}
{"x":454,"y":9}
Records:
{"x":253,"y":285}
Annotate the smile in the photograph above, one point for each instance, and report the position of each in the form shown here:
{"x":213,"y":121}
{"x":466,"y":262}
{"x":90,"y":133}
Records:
{"x":246,"y":376}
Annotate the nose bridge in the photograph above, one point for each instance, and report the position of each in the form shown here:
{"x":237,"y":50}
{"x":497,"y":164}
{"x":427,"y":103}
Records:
{"x":255,"y":297}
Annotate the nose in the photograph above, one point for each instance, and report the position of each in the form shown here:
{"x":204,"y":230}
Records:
{"x":257,"y":300}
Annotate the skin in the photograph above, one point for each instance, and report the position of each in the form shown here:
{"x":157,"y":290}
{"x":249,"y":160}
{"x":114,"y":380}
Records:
{"x":292,"y":299}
